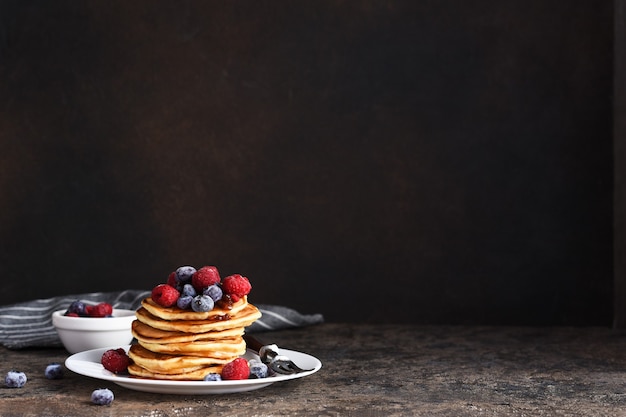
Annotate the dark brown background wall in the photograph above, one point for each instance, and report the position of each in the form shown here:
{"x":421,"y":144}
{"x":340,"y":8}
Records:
{"x":407,"y":161}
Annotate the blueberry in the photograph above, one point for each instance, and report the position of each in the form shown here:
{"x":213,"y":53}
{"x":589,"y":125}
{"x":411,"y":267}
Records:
{"x":184,"y":302}
{"x":15,"y":379}
{"x":77,"y":307}
{"x":54,"y":371}
{"x":213,"y":377}
{"x":102,"y":396}
{"x":258,"y":369}
{"x":214,"y":291}
{"x":184,"y":273}
{"x":188,"y":289}
{"x":202,"y":303}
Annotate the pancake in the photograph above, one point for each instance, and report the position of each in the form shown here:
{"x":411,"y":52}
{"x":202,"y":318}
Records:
{"x":177,"y":344}
{"x":195,"y":375}
{"x":175,"y":313}
{"x":170,"y":364}
{"x":243,"y":318}
{"x":145,"y":333}
{"x":229,"y":348}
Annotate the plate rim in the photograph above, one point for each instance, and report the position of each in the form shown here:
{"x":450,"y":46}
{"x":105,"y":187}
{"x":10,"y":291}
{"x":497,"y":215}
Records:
{"x":74,"y":361}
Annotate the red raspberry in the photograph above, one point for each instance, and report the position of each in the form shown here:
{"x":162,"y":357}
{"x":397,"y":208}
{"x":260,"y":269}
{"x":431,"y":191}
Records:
{"x":237,"y":369}
{"x":165,"y":295}
{"x":115,"y":360}
{"x":171,"y":279}
{"x":236,"y":286}
{"x":89,"y":309}
{"x":101,"y":310}
{"x":205,"y":277}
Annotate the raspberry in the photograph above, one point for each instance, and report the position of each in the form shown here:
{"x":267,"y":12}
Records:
{"x":236,"y":286}
{"x":165,"y":295}
{"x":237,"y":369}
{"x":101,"y":310}
{"x":205,"y":277}
{"x":171,"y":279}
{"x":115,"y":360}
{"x":89,"y":310}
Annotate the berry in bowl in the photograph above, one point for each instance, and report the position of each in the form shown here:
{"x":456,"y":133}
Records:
{"x":84,"y":327}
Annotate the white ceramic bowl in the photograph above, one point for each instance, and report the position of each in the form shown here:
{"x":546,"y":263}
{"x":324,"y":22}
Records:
{"x":85,"y":333}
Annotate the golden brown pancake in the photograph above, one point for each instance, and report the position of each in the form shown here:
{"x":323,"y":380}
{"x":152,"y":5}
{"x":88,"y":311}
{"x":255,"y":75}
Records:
{"x":176,"y":344}
{"x":145,"y":333}
{"x":170,"y":364}
{"x":175,"y":313}
{"x":196,"y":375}
{"x":220,"y":349}
{"x":243,"y":318}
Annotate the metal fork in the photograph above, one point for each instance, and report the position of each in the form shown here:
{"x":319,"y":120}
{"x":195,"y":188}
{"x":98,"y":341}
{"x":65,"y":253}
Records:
{"x":270,"y":355}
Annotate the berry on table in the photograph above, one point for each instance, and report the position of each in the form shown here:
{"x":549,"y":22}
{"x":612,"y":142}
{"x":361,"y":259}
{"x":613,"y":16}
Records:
{"x":115,"y":360}
{"x":102,"y":396}
{"x":54,"y":371}
{"x":237,"y":369}
{"x":205,"y":277}
{"x":15,"y":379}
{"x":202,"y":303}
{"x":165,"y":295}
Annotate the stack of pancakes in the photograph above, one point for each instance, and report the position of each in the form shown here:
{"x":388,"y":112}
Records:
{"x":180,"y":344}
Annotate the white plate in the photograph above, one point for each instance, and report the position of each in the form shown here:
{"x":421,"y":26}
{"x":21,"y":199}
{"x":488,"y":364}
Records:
{"x":87,"y":363}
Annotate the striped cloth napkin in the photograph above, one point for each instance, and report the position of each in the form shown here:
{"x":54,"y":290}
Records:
{"x":29,"y":324}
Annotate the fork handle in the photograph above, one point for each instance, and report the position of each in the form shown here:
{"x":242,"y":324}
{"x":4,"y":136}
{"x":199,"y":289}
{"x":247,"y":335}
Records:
{"x":253,"y":343}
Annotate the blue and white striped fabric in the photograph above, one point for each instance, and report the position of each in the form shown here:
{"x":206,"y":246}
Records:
{"x":29,"y":324}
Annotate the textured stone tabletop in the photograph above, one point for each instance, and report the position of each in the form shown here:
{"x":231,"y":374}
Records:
{"x":384,"y":370}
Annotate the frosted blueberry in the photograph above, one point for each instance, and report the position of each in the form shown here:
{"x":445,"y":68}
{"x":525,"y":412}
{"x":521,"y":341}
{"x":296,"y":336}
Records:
{"x":77,"y":307}
{"x":102,"y":396}
{"x":184,"y":273}
{"x":54,"y":371}
{"x":184,"y":302}
{"x":214,"y":291}
{"x":258,"y":369}
{"x":188,"y":289}
{"x":202,"y":303}
{"x":213,"y":377}
{"x":15,"y":379}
